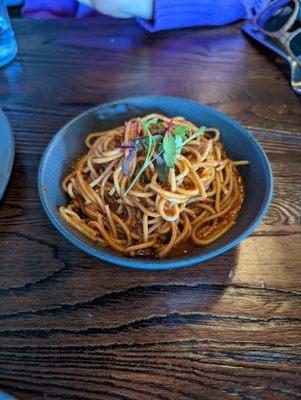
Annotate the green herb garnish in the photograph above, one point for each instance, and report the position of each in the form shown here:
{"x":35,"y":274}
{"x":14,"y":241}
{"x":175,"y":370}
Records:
{"x":148,"y":124}
{"x":195,"y":135}
{"x":166,"y":148}
{"x":170,"y":150}
{"x":181,"y":131}
{"x":151,"y":143}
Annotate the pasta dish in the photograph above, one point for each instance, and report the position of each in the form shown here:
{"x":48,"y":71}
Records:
{"x":153,"y":185}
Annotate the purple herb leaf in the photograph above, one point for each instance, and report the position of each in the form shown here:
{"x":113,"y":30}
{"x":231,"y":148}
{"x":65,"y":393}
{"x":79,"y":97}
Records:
{"x":138,"y":144}
{"x":170,"y":124}
{"x":162,"y":169}
{"x":126,"y":146}
{"x":126,"y":168}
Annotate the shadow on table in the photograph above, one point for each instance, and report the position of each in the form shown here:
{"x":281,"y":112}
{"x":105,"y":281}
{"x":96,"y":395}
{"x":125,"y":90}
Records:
{"x":196,"y":288}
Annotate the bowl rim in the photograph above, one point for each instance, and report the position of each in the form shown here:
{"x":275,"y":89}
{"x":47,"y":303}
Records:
{"x":155,"y":264}
{"x":8,"y":133}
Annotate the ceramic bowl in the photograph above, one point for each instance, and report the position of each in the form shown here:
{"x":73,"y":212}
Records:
{"x":68,"y":145}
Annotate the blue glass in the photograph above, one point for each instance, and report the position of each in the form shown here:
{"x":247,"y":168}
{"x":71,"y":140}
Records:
{"x":8,"y":45}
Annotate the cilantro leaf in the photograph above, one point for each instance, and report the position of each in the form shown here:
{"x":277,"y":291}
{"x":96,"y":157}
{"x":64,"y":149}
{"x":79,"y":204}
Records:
{"x":170,"y":150}
{"x":180,"y":136}
{"x":199,"y":132}
{"x":181,"y":131}
{"x":155,"y":139}
{"x":179,"y":143}
{"x":150,"y":122}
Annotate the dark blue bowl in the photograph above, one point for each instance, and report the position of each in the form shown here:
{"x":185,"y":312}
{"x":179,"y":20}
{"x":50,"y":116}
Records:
{"x":68,"y":144}
{"x":7,"y":152}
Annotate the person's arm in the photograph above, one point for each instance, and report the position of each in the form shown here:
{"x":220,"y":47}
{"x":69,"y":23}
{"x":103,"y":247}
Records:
{"x":123,"y":8}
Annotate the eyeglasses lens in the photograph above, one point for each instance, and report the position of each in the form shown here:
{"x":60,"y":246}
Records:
{"x":276,"y":15}
{"x":295,"y":46}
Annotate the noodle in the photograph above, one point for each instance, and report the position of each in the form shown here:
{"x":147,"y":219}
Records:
{"x":118,"y":197}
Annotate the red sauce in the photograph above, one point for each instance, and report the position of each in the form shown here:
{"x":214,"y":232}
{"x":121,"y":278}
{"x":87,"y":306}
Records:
{"x":182,"y":249}
{"x":187,"y":247}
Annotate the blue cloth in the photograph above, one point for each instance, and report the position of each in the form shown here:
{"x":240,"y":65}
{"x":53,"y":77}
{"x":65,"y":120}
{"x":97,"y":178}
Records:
{"x":168,"y":14}
{"x":171,"y":14}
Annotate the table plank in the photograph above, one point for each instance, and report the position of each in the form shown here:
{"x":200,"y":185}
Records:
{"x":93,"y":62}
{"x":74,"y":327}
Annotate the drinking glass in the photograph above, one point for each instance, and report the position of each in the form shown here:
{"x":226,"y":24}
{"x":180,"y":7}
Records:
{"x":8,"y":45}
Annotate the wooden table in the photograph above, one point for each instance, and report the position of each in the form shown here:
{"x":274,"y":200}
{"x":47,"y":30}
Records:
{"x":74,"y":327}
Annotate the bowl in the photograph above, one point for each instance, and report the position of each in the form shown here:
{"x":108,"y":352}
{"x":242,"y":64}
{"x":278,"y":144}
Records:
{"x":68,"y":145}
{"x":7,"y":152}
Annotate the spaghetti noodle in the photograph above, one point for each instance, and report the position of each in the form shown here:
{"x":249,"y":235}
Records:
{"x":149,"y":186}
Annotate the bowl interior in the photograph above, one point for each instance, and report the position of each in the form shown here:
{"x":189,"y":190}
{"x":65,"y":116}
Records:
{"x":68,"y":145}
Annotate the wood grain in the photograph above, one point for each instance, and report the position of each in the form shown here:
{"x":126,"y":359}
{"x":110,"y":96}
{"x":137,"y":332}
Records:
{"x":74,"y":327}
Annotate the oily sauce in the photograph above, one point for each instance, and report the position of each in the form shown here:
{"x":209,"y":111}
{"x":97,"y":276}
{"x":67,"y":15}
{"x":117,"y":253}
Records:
{"x":188,"y":247}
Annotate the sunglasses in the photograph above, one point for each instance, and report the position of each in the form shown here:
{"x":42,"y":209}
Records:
{"x":278,"y":28}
